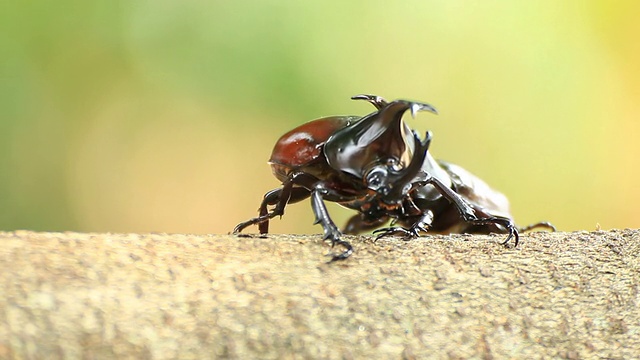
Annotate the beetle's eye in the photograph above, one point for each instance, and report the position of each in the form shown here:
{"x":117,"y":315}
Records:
{"x":376,"y":178}
{"x":393,"y":164}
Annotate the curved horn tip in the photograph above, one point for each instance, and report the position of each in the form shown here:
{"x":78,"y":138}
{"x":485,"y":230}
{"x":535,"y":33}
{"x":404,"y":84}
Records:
{"x":432,"y":109}
{"x":377,"y":101}
{"x":427,"y":136}
{"x":423,"y":144}
{"x":368,"y":97}
{"x":362,"y":97}
{"x":416,"y":106}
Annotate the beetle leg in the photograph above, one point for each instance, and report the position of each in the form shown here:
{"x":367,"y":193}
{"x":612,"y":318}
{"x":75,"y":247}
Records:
{"x":360,"y":223}
{"x":408,"y":233}
{"x":422,"y":225}
{"x":280,"y":198}
{"x":271,"y":198}
{"x":542,"y":224}
{"x":468,"y":213}
{"x":331,"y":231}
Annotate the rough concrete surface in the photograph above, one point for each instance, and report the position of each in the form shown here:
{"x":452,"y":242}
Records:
{"x":558,"y":295}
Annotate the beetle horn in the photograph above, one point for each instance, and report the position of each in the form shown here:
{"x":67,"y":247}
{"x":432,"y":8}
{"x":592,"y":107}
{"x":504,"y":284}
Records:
{"x":375,"y":100}
{"x":374,"y":138}
{"x":415,"y":107}
{"x":411,"y":171}
{"x":393,"y":135}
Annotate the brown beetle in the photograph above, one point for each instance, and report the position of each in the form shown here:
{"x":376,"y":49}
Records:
{"x":378,"y":166}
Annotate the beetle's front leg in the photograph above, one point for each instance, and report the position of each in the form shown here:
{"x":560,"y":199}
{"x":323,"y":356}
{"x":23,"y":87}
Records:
{"x":468,"y":213}
{"x":280,"y":197}
{"x":421,"y":225}
{"x":331,"y":231}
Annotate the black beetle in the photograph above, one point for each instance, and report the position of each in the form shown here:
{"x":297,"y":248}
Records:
{"x":377,"y":165}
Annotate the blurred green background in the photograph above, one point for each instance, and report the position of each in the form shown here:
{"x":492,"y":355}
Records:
{"x":160,"y":115}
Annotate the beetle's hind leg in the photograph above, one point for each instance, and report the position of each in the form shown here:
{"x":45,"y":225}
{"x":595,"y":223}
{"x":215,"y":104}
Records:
{"x":471,"y":214}
{"x":497,"y":220}
{"x":360,"y":223}
{"x":421,"y":225}
{"x":542,"y":224}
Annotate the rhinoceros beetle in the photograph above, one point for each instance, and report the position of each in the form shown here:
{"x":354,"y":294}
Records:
{"x":378,"y":166}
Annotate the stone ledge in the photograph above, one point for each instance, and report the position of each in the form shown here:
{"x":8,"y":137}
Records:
{"x":73,"y":295}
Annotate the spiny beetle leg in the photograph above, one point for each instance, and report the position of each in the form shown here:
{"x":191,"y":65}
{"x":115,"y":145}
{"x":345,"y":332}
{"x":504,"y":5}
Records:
{"x":498,"y":220}
{"x":421,"y":225}
{"x":469,"y":212}
{"x":542,"y":224}
{"x":507,"y":223}
{"x":409,"y":233}
{"x":278,"y":197}
{"x":331,"y":231}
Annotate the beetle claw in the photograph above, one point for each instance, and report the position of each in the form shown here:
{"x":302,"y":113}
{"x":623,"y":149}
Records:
{"x":513,"y":234}
{"x":409,"y":233}
{"x":343,"y":255}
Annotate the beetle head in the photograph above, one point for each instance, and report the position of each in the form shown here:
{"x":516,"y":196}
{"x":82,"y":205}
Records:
{"x":379,"y":148}
{"x":391,"y":183}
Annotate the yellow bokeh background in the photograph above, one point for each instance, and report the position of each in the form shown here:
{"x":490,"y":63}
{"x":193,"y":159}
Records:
{"x":160,"y":115}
